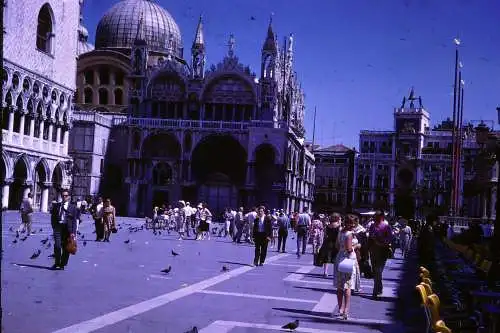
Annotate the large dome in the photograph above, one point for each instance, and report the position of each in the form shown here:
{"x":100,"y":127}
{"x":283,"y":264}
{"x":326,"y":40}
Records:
{"x":118,"y":27}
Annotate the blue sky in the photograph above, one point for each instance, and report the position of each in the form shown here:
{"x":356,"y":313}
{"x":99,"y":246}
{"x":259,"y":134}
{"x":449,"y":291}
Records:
{"x":356,"y":59}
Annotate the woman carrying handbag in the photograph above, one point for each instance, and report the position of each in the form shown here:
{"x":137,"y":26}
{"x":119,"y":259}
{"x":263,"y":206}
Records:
{"x":328,"y":250}
{"x":345,"y":270}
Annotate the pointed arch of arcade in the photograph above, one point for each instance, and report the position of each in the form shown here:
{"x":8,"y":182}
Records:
{"x":266,"y":166}
{"x":20,"y":176}
{"x":161,"y":145}
{"x":57,"y":181}
{"x":40,"y":179}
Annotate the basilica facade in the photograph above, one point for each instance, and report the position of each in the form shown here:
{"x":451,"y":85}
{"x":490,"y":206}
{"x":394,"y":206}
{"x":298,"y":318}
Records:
{"x":38,"y":83}
{"x":163,"y":126}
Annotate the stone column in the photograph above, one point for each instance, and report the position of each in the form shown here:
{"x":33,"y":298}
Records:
{"x":32,"y":127}
{"x":132,"y":202}
{"x":51,"y":129}
{"x":21,"y":127}
{"x":65,"y":140}
{"x":373,"y":182}
{"x":11,"y":121}
{"x":484,"y":205}
{"x":58,"y":134}
{"x":493,"y":200}
{"x":5,"y":193}
{"x":44,"y":201}
{"x":42,"y":129}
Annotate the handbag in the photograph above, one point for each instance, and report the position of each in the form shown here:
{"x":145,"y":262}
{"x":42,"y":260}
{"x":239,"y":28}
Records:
{"x":71,"y":245}
{"x":346,"y":266}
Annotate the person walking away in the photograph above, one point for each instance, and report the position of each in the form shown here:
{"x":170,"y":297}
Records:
{"x":228,"y":216}
{"x":109,"y":219}
{"x":380,"y":239}
{"x":344,"y":281}
{"x":250,"y":218}
{"x":63,"y":218}
{"x":204,"y":227}
{"x":180,"y":219}
{"x":97,"y":213}
{"x":405,"y":238}
{"x":262,"y":232}
{"x":26,"y":211}
{"x":187,"y":213}
{"x":358,"y":231}
{"x":239,"y":223}
{"x":303,"y":222}
{"x":283,"y":226}
{"x":328,"y":250}
{"x":317,"y":233}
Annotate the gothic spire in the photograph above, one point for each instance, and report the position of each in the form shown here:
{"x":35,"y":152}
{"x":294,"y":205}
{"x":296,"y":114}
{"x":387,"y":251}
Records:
{"x":140,"y":37}
{"x":199,"y":39}
{"x":270,"y":42}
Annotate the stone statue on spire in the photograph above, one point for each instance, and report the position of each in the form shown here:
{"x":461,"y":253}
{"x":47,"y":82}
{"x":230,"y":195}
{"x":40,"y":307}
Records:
{"x":231,"y":43}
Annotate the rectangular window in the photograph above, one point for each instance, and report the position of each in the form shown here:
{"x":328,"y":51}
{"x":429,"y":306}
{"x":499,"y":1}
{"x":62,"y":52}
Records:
{"x":101,"y":168}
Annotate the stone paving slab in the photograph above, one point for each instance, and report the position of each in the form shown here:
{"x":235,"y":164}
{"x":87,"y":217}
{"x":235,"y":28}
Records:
{"x":118,"y":287}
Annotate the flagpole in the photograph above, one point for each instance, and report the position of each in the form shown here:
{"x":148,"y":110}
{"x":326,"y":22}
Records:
{"x":314,"y":129}
{"x":453,"y":137}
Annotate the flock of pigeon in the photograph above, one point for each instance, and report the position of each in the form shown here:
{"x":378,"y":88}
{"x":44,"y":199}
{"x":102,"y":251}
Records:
{"x":47,"y":245}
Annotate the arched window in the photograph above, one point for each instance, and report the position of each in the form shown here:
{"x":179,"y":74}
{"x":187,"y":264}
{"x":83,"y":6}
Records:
{"x":89,"y":77}
{"x":162,"y":174}
{"x":103,"y":76}
{"x":45,"y":30}
{"x":118,"y":97}
{"x":103,"y":96}
{"x":88,"y":95}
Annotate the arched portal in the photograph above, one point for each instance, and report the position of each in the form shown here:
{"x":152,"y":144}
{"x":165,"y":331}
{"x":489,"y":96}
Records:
{"x":39,"y":178}
{"x":19,"y":184}
{"x":266,"y":173}
{"x":162,"y":177}
{"x":57,"y":181}
{"x":161,"y":156}
{"x":218,"y":164}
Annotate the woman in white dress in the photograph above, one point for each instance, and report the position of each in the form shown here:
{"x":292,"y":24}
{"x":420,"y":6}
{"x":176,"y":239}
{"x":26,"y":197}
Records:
{"x":345,"y":281}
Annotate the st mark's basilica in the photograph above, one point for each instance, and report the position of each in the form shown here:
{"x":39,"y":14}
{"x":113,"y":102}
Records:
{"x":153,"y":124}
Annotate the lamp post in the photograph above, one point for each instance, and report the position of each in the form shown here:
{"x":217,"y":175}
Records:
{"x":491,"y":144}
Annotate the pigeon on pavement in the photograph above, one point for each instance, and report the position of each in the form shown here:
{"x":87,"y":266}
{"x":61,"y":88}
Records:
{"x":44,"y":241}
{"x":174,"y":253}
{"x":224,"y":268}
{"x":36,"y":254}
{"x":193,"y":330}
{"x":167,"y":270}
{"x":127,"y":241}
{"x":291,"y":326}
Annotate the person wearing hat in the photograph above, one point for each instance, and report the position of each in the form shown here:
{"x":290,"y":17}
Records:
{"x":380,"y":239}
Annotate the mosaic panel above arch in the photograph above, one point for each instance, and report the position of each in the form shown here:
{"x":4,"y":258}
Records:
{"x":229,"y":88}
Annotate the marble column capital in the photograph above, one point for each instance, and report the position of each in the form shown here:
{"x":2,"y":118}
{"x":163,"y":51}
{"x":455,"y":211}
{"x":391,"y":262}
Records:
{"x":8,"y":181}
{"x":47,"y":184}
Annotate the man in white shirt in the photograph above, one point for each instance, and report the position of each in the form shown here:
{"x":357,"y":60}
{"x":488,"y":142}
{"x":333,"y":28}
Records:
{"x":250,"y":217}
{"x":188,"y":212}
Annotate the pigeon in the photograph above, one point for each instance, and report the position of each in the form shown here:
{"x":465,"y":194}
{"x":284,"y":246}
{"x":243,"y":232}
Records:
{"x":174,"y":253}
{"x":51,"y":255}
{"x":291,"y":326}
{"x":78,"y":233}
{"x":17,"y":234}
{"x":44,"y":241}
{"x":83,"y":236}
{"x":24,"y":238}
{"x":14,"y":241}
{"x":11,"y":229}
{"x":193,"y":330}
{"x":224,"y":268}
{"x":167,"y":270}
{"x":252,"y":18}
{"x":159,"y":232}
{"x":40,"y":230}
{"x":48,"y":245}
{"x":84,"y":243}
{"x":127,"y":241}
{"x":36,"y":254}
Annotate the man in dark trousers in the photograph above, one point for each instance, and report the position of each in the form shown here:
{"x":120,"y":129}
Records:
{"x":303,"y":223}
{"x":283,"y":226}
{"x":64,"y":216}
{"x":262,"y":233}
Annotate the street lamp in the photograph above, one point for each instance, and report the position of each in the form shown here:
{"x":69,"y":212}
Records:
{"x":491,"y":144}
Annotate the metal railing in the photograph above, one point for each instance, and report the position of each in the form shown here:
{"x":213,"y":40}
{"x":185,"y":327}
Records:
{"x":197,"y":124}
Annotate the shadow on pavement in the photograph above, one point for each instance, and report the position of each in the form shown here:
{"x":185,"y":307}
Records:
{"x":326,"y":318}
{"x":321,"y":290}
{"x":32,"y":266}
{"x":235,"y":263}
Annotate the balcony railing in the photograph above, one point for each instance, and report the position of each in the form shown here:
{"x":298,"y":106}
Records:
{"x":436,"y":157}
{"x":198,"y":124}
{"x":31,"y":143}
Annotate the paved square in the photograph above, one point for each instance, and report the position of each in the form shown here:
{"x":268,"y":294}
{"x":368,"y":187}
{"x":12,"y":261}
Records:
{"x":118,"y":287}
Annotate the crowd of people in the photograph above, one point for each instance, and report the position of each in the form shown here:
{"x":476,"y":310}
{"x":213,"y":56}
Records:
{"x":352,"y":245}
